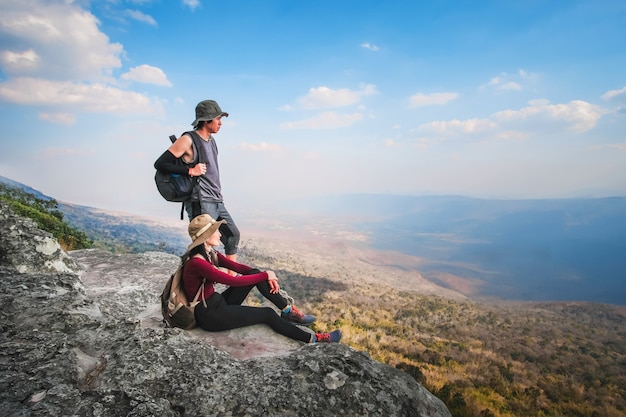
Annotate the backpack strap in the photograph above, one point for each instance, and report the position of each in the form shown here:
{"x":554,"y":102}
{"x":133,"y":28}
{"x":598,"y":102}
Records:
{"x":200,"y":292}
{"x":194,"y":138}
{"x":194,"y":143}
{"x":196,"y":146}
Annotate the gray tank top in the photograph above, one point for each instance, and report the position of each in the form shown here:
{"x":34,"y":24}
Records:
{"x":209,"y":187}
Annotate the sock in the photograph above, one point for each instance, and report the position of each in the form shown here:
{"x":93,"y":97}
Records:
{"x":287,"y":309}
{"x":313,"y":339}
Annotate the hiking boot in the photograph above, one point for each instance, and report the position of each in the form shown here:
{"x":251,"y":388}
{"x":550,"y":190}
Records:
{"x":296,"y":317}
{"x":332,"y":337}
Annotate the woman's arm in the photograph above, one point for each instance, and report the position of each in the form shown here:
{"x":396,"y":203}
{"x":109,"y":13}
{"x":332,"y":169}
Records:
{"x":248,"y":270}
{"x":211,"y":273}
{"x":227,"y":263}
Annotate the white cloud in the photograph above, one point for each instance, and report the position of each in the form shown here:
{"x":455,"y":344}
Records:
{"x":58,"y":57}
{"x":141,"y":17}
{"x":59,"y":118}
{"x":326,"y":120}
{"x":192,"y":4}
{"x":65,"y":39}
{"x":539,"y":117}
{"x":613,"y":93}
{"x":19,"y":61}
{"x":511,"y":85}
{"x":147,"y":74}
{"x":507,"y":82}
{"x":511,"y":135}
{"x":261,"y":147}
{"x":369,"y":46}
{"x":577,"y":115}
{"x":324,"y":97}
{"x":456,"y":127}
{"x":419,"y":99}
{"x":87,"y":97}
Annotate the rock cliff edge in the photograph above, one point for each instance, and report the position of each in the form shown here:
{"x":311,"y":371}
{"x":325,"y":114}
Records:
{"x":81,"y":336}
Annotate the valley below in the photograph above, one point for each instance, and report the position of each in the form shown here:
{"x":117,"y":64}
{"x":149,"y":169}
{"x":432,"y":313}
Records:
{"x":482,"y":357}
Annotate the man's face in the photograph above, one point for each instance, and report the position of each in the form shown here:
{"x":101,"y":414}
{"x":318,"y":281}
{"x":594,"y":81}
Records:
{"x":215,"y":124}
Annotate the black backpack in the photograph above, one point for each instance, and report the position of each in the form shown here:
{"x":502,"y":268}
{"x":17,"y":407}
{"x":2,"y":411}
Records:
{"x":177,"y":187}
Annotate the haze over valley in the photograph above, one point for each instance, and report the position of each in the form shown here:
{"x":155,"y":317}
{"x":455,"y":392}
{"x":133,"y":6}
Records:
{"x":528,"y":250}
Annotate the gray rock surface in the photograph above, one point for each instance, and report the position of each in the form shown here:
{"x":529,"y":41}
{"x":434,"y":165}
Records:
{"x":28,"y":249}
{"x":80,"y":336}
{"x":140,"y":278}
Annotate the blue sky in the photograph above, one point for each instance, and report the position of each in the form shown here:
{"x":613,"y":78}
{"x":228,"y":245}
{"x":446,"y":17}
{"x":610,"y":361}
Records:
{"x":505,"y":99}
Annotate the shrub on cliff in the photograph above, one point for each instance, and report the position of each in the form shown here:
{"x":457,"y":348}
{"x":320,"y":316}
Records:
{"x":47,"y":216}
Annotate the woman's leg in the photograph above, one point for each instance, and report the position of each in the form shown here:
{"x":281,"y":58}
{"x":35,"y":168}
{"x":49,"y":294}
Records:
{"x":219,"y":316}
{"x":236,"y":295}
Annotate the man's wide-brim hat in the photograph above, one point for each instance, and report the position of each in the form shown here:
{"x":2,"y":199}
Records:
{"x":201,"y":228}
{"x":207,"y":110}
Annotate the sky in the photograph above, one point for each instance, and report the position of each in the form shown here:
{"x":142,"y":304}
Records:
{"x":487,"y":99}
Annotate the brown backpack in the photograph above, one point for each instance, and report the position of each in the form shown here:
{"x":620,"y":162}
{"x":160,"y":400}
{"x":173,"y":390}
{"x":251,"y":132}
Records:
{"x":176,"y":309}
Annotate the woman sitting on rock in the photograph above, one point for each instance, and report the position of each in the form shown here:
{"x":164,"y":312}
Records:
{"x":223,"y":311}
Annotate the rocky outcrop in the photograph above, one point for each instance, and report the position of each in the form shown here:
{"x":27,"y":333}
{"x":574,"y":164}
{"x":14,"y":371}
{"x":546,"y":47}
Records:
{"x":27,"y":249}
{"x":81,"y":336}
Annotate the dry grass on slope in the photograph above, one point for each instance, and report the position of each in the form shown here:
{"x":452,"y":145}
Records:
{"x":482,"y":359}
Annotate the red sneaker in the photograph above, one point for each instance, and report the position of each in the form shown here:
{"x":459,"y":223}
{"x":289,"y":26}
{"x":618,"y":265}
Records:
{"x":332,"y":337}
{"x":295,"y":316}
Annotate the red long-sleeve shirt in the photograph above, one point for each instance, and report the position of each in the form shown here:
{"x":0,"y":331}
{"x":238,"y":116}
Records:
{"x":197,"y":268}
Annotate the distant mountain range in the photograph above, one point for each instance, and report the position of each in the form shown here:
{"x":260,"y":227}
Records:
{"x":125,"y":232}
{"x":24,"y":187}
{"x":118,"y":232}
{"x":539,"y":250}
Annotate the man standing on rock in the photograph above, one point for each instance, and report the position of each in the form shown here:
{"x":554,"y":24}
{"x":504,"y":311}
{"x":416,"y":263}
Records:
{"x":207,"y":196}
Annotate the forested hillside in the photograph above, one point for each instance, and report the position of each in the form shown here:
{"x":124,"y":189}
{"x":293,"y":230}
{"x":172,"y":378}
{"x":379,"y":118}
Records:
{"x":79,"y":227}
{"x":45,"y":212}
{"x":483,"y":359}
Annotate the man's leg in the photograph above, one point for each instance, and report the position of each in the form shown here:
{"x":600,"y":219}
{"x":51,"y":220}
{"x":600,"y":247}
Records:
{"x":229,"y":230}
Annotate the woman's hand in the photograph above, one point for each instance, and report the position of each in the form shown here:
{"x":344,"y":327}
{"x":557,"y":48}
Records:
{"x":273,"y":281}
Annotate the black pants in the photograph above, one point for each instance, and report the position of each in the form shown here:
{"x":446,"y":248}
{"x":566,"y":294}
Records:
{"x":225,"y":312}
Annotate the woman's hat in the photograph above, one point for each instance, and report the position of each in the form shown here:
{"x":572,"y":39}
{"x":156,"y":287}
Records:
{"x":207,"y":110}
{"x":201,"y":228}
